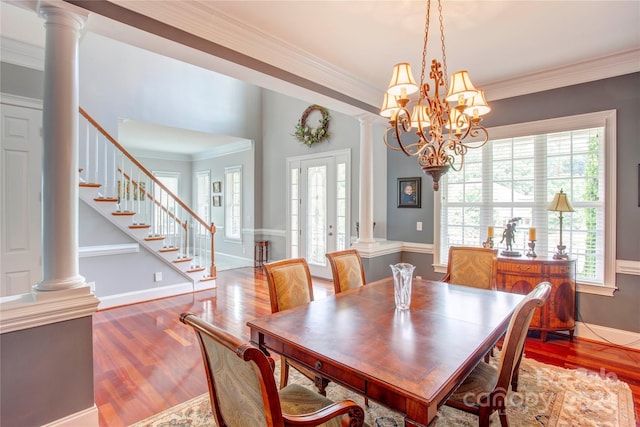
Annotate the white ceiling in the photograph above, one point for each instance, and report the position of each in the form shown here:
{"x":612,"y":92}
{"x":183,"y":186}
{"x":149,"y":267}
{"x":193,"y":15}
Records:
{"x":344,"y":50}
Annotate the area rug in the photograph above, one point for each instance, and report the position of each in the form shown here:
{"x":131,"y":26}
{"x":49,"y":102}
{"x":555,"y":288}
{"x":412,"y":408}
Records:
{"x":547,"y":396}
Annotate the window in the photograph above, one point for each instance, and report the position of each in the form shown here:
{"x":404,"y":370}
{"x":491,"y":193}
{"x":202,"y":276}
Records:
{"x":517,"y":173}
{"x":233,"y":203}
{"x":203,"y":201}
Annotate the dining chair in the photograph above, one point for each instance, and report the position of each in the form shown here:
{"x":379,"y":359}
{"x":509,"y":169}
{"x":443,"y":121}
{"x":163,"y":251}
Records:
{"x":347,"y":270}
{"x":243,"y":391}
{"x":485,"y":389}
{"x":290,"y":285}
{"x":471,"y":266}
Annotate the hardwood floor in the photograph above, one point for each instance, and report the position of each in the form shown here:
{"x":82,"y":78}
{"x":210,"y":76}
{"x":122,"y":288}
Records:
{"x":146,"y":361}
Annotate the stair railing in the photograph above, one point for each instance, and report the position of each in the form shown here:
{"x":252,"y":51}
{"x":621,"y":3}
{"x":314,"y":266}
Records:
{"x":143,"y":197}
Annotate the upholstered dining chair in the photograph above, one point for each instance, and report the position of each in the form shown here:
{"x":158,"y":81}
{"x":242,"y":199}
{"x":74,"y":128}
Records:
{"x":243,"y":391}
{"x":347,"y":270}
{"x":485,"y":389}
{"x":471,"y":266}
{"x":290,"y":285}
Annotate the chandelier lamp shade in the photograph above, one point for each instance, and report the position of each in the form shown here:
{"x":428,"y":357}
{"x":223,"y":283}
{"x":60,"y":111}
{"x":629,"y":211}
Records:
{"x":436,"y":127}
{"x":560,"y":204}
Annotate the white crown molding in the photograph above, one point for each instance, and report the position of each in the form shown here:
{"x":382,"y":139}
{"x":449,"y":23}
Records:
{"x":609,"y":66}
{"x":225,"y":150}
{"x":20,"y":53}
{"x":270,"y":232}
{"x":159,"y":155}
{"x":42,"y":308}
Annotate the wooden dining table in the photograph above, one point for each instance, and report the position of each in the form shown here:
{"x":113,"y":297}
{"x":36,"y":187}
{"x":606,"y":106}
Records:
{"x":408,"y":360}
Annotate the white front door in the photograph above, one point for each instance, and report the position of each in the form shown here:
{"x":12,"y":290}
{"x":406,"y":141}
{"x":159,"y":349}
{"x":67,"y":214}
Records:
{"x":20,"y":199}
{"x":318,"y":209}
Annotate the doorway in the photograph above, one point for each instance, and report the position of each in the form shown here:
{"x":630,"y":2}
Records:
{"x":318,"y":212}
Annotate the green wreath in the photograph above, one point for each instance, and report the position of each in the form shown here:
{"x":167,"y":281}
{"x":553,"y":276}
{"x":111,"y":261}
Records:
{"x":309,"y":136}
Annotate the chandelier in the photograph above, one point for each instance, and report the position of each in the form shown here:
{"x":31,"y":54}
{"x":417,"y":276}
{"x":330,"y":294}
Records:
{"x":436,"y":127}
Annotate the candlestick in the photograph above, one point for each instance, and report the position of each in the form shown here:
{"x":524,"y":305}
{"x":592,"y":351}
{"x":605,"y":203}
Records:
{"x":532,"y":246}
{"x":490,"y":232}
{"x":532,"y":233}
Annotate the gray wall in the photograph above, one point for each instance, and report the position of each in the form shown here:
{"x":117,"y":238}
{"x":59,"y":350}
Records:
{"x":21,"y":81}
{"x":215,"y":166}
{"x":280,"y":115}
{"x":47,"y":373}
{"x":120,"y":273}
{"x":620,"y":93}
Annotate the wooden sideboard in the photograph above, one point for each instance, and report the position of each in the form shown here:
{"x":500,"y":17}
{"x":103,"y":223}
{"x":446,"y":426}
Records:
{"x":522,"y":274}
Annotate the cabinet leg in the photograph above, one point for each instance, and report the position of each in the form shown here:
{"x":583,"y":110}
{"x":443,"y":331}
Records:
{"x":543,"y":336}
{"x":571,"y":335}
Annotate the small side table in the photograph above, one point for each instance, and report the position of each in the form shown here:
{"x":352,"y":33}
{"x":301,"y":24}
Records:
{"x":260,"y":252}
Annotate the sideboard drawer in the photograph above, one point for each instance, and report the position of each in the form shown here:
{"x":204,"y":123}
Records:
{"x":519,"y":267}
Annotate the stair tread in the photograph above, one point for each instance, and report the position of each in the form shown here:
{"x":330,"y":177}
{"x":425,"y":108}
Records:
{"x":123,"y":213}
{"x":195,"y":270}
{"x":206,"y":279}
{"x":105,"y":199}
{"x":168,"y":249}
{"x":152,"y":238}
{"x":90,"y":185}
{"x":182,"y":260}
{"x":140,"y":226}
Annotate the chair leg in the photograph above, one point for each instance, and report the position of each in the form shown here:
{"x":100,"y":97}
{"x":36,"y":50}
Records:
{"x":284,"y":372}
{"x":503,"y":418}
{"x":483,"y":416}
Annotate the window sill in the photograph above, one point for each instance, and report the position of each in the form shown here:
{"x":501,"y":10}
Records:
{"x":585,"y":288}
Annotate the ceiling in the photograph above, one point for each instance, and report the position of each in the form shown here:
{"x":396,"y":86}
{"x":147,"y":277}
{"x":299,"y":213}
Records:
{"x":341,"y":53}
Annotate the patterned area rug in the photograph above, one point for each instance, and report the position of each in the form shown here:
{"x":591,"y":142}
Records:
{"x":547,"y":397}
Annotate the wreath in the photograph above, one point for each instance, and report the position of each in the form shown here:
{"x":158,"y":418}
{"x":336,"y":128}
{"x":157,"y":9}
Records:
{"x":308,"y":135}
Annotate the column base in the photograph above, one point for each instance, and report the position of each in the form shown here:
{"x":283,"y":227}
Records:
{"x":60,"y":284}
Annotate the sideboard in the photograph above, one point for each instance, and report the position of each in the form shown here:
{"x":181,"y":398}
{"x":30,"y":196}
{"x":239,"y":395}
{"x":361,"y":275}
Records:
{"x":522,"y":274}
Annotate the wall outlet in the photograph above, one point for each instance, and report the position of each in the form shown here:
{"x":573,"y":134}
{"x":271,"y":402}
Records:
{"x":157,"y":277}
{"x":419,"y":226}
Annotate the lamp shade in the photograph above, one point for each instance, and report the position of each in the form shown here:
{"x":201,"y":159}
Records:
{"x":402,"y":82}
{"x":390,"y":106}
{"x":460,"y":85}
{"x":478,"y":105}
{"x":560,"y":203}
{"x":420,"y":114}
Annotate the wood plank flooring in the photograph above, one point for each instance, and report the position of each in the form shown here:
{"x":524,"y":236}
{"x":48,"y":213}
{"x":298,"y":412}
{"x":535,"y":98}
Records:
{"x":146,"y":361}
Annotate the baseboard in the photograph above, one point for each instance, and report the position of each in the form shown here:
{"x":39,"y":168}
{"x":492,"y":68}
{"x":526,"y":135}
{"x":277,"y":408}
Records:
{"x":608,"y":335}
{"x":85,"y":418}
{"x":145,"y":295}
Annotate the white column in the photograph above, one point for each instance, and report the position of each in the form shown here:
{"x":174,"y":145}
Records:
{"x":60,"y":179}
{"x":366,"y":180}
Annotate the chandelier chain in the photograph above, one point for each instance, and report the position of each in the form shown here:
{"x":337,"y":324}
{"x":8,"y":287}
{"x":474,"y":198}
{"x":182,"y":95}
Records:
{"x":444,"y":55}
{"x":424,"y":46}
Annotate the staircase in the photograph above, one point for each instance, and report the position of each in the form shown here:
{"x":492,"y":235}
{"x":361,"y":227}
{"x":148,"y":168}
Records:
{"x":119,"y":187}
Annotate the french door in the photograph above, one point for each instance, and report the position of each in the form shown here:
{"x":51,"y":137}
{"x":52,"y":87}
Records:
{"x":318,"y":208}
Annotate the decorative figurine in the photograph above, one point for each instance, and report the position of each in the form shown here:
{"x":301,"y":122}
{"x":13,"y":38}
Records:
{"x":509,"y":236}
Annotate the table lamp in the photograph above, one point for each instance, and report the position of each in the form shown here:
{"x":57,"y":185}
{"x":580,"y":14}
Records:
{"x":560,"y":203}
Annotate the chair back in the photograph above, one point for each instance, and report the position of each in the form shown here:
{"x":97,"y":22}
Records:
{"x":242,"y":387}
{"x":347,"y":270}
{"x":516,"y":334}
{"x":289,"y":283}
{"x":471,"y":266}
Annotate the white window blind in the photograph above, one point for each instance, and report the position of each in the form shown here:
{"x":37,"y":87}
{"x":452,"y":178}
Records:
{"x":517,"y":177}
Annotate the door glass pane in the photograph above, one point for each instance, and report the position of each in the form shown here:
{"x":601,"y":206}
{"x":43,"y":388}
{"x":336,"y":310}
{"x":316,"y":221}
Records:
{"x":295,"y":202}
{"x":316,"y":215}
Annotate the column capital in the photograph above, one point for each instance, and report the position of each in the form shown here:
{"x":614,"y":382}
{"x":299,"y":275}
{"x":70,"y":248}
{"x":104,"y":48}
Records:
{"x":59,"y":16}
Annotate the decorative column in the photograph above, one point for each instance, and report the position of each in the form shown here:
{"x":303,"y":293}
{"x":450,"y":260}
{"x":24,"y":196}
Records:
{"x":366,"y":180}
{"x":60,"y":180}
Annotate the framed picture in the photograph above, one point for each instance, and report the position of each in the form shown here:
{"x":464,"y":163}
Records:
{"x":217,"y":201}
{"x":217,"y":187}
{"x":409,"y":192}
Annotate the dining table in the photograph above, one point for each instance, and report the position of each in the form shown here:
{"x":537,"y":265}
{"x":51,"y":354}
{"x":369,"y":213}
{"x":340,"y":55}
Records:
{"x":407,"y":360}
